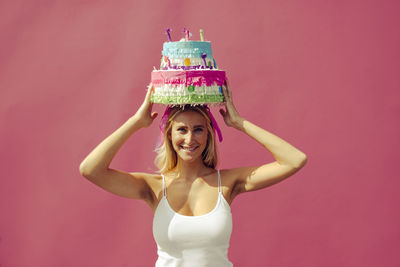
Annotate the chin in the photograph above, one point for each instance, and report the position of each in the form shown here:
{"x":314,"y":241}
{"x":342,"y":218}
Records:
{"x":188,"y":158}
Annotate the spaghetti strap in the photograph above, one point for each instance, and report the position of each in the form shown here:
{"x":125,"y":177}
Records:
{"x":164,"y":186}
{"x":219,"y":182}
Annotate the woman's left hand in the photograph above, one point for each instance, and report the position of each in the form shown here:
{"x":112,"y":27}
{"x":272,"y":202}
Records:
{"x":230,"y":114}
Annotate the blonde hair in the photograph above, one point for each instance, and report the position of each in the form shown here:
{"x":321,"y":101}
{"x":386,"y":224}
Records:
{"x":166,"y":158}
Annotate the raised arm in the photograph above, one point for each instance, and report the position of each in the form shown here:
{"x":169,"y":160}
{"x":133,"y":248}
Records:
{"x":95,"y":167}
{"x":288,"y":158}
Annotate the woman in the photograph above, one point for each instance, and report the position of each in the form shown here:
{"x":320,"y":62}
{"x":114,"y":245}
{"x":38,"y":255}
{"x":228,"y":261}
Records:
{"x":190,"y":199}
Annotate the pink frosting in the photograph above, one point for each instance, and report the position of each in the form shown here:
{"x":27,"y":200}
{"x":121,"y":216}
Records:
{"x":188,"y":77}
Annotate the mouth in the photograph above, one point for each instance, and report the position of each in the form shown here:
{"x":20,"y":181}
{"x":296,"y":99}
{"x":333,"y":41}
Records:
{"x":189,"y":148}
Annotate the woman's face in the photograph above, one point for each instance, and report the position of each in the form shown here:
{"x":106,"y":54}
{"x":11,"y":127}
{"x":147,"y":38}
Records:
{"x":189,"y":135}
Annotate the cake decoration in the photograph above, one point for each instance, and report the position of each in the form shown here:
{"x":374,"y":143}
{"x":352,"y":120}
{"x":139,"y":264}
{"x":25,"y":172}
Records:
{"x":188,"y":73}
{"x":201,"y":35}
{"x":169,"y":35}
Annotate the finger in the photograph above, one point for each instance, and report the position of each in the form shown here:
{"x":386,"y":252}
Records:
{"x":148,"y":94}
{"x":149,"y":90}
{"x":154,"y":115}
{"x":227,"y":86}
{"x":227,"y":82}
{"x":227,"y":93}
{"x":225,"y":90}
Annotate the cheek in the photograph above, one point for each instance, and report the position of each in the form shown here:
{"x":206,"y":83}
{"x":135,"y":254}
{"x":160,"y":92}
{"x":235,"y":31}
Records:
{"x":176,"y":138}
{"x":203,"y":137}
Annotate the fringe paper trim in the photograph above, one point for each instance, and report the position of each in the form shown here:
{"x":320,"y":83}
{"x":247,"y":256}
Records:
{"x":188,"y":99}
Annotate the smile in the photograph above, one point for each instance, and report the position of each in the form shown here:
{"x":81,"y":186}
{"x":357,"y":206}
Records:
{"x":189,"y":148}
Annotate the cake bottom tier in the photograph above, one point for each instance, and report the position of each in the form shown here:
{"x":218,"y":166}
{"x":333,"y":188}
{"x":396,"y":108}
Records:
{"x":181,"y":94}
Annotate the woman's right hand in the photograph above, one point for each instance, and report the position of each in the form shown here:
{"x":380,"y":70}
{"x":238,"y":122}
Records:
{"x":144,"y":115}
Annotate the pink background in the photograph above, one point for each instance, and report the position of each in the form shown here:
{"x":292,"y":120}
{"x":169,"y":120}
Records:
{"x":323,"y":75}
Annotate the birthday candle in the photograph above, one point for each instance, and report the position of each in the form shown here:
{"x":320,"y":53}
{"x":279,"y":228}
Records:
{"x":169,"y":35}
{"x":184,"y":31}
{"x":169,"y":63}
{"x":204,"y":55}
{"x":187,"y":34}
{"x":201,"y":35}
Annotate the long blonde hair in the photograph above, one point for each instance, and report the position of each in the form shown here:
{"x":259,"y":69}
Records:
{"x":166,"y":158}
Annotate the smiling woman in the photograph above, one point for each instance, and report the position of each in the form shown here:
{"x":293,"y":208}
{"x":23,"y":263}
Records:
{"x":192,"y":224}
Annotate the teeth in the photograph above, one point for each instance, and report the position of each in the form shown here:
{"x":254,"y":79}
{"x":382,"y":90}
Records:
{"x":189,"y":148}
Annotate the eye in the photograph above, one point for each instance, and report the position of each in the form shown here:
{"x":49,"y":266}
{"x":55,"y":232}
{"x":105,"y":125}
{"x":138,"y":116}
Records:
{"x":181,"y":129}
{"x":198,"y":129}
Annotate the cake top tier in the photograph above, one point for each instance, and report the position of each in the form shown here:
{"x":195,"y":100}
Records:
{"x":190,"y":49}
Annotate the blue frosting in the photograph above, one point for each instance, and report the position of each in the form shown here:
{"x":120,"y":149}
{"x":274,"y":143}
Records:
{"x":184,"y":49}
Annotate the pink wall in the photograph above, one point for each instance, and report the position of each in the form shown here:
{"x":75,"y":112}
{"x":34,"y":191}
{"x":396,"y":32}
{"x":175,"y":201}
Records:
{"x":322,"y":75}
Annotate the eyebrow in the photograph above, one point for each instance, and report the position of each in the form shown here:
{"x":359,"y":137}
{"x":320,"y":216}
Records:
{"x":196,"y":126}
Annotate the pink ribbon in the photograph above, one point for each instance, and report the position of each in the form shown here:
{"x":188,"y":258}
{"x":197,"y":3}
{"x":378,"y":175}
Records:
{"x":164,"y":119}
{"x":215,"y":124}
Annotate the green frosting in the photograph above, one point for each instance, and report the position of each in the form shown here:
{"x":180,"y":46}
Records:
{"x":187,"y":99}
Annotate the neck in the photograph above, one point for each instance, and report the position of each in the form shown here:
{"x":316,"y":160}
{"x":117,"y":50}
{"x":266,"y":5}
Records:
{"x":189,"y":170}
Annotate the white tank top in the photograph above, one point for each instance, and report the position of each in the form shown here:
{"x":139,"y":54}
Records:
{"x":192,"y":241}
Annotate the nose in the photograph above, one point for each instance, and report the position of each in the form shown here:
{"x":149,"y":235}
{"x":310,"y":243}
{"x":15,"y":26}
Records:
{"x":189,"y":137}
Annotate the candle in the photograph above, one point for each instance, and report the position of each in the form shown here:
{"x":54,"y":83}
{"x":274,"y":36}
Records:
{"x":201,"y":35}
{"x":188,"y":35}
{"x":203,"y":56}
{"x":169,"y":63}
{"x":169,"y":35}
{"x":184,"y":31}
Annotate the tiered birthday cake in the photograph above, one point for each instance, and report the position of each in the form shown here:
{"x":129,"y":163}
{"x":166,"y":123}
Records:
{"x":188,"y":74}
